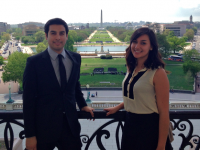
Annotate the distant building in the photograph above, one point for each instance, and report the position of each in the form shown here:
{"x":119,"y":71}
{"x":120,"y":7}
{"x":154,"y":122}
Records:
{"x":148,"y":23}
{"x":73,"y":27}
{"x":14,"y":26}
{"x":129,"y":26}
{"x":39,"y":24}
{"x":189,"y":23}
{"x":81,"y":27}
{"x":87,"y":25}
{"x":31,"y":29}
{"x":154,"y":26}
{"x":4,"y":26}
{"x":185,"y":22}
{"x":197,"y":24}
{"x":191,"y":19}
{"x":20,"y":26}
{"x":179,"y":29}
{"x":142,"y":22}
{"x":138,"y":26}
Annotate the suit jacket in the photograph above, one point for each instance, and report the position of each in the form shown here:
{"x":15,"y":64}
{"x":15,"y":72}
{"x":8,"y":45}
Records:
{"x":43,"y":100}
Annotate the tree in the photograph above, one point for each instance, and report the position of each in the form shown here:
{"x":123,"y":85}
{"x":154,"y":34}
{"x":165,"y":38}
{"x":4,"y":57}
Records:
{"x":176,"y":43}
{"x":18,"y":32}
{"x":127,"y":38}
{"x":185,"y":38}
{"x":40,"y":47}
{"x":163,"y":45}
{"x":5,"y":36}
{"x":81,"y":36}
{"x":17,"y":38}
{"x":39,"y":36}
{"x":2,"y":42}
{"x":9,"y":31}
{"x":14,"y":69}
{"x":45,"y":42}
{"x":166,"y":32}
{"x":31,"y":39}
{"x":73,"y":34}
{"x":191,"y":62}
{"x":13,"y":29}
{"x":69,"y":44}
{"x":25,"y":39}
{"x":122,"y":37}
{"x":189,"y":34}
{"x":194,"y":29}
{"x":1,"y":60}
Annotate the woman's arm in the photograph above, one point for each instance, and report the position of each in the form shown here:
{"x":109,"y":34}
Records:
{"x":112,"y":110}
{"x":161,"y":84}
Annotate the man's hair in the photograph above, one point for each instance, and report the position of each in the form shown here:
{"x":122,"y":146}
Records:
{"x":55,"y":21}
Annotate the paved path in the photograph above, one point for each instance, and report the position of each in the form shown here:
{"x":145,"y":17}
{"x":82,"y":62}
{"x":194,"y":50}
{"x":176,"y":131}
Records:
{"x":91,"y":35}
{"x":113,"y":37}
{"x":188,"y":47}
{"x":105,"y":95}
{"x":197,"y":41}
{"x":26,"y":49}
{"x":12,"y":48}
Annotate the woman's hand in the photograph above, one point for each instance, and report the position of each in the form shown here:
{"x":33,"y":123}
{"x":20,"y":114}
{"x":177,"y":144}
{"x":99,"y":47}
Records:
{"x":111,"y":110}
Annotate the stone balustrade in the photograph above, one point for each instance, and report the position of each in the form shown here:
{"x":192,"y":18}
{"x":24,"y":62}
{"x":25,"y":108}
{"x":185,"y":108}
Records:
{"x":17,"y":105}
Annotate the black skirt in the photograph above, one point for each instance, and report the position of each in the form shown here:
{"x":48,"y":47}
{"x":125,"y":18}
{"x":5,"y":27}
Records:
{"x":141,"y":132}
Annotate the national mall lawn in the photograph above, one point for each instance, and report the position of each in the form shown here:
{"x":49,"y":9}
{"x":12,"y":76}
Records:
{"x":177,"y":79}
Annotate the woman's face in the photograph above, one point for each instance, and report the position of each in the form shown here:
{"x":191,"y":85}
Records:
{"x":140,"y":47}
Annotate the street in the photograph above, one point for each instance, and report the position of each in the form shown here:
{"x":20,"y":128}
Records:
{"x":197,"y":41}
{"x":11,"y":49}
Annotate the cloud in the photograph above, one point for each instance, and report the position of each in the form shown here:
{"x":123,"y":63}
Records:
{"x":186,"y":12}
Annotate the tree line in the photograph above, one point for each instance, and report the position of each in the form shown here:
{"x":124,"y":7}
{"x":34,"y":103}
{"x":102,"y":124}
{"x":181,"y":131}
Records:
{"x":39,"y":38}
{"x":4,"y":37}
{"x":73,"y":36}
{"x":121,"y":33}
{"x":167,"y":41}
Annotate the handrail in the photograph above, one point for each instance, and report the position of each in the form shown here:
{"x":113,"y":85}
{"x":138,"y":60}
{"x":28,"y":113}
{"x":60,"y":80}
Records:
{"x":186,"y":105}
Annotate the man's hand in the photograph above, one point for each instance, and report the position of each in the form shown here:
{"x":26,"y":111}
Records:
{"x":31,"y":143}
{"x":88,"y":109}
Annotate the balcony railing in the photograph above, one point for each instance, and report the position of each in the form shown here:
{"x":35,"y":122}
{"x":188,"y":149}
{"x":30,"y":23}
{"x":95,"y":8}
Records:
{"x":18,"y":104}
{"x":179,"y":119}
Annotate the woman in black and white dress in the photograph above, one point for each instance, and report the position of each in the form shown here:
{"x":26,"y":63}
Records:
{"x":145,"y":95}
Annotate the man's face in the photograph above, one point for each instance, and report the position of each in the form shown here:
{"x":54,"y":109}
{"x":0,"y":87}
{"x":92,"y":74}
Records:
{"x":56,"y":37}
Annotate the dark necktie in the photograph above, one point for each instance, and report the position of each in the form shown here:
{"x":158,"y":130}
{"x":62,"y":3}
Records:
{"x":63,"y":80}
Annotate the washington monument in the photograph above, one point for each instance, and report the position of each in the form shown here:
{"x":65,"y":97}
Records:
{"x":101,"y":27}
{"x":101,"y":19}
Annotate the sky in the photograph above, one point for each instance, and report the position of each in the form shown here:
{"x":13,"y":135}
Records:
{"x":89,"y":11}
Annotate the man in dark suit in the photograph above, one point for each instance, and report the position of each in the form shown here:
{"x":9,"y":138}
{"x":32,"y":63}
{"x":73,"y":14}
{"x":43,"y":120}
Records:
{"x":51,"y":89}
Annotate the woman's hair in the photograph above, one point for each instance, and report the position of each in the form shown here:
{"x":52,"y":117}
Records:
{"x":154,"y":59}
